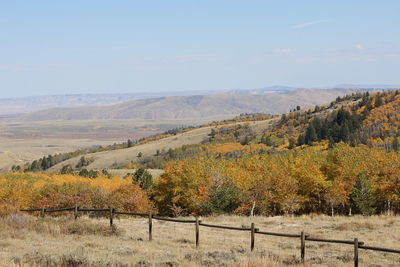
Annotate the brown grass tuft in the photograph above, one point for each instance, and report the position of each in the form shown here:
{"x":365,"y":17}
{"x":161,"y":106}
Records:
{"x":355,"y":226}
{"x":56,"y":226}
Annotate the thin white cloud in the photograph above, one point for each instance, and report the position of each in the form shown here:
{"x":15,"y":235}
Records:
{"x":359,"y":47}
{"x":284,"y":50}
{"x":25,"y":67}
{"x":307,"y":24}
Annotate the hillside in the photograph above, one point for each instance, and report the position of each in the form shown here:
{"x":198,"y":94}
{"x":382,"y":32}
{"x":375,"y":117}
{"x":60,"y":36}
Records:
{"x":341,"y":157}
{"x":193,"y":107}
{"x":116,"y":158}
{"x":352,"y":119}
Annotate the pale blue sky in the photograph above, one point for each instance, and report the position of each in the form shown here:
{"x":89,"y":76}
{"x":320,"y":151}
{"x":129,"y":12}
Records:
{"x":64,"y":47}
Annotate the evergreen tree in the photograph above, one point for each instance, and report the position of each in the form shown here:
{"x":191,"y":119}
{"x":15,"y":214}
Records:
{"x":129,"y":143}
{"x":268,"y":141}
{"x":246,"y":140}
{"x":395,"y":144}
{"x":82,"y":163}
{"x":143,"y":179}
{"x":34,"y":166}
{"x":311,"y":135}
{"x":363,"y":195}
{"x":292,"y":143}
{"x":106,"y":173}
{"x":212,"y":134}
{"x":223,"y":198}
{"x":66,"y":169}
{"x":262,"y":141}
{"x":331,"y":143}
{"x":378,"y":100}
{"x":300,"y":140}
{"x":44,"y":163}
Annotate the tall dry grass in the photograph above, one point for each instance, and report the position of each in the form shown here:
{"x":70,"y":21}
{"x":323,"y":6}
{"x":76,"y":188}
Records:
{"x":61,"y":241}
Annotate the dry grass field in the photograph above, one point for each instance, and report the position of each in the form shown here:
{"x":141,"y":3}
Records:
{"x":30,"y":241}
{"x":24,"y":142}
{"x":110,"y":159}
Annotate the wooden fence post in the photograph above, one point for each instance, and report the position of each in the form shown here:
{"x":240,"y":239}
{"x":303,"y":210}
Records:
{"x":42,"y":212}
{"x":197,"y":232}
{"x":302,"y":245}
{"x":111,"y":216}
{"x":150,"y":227}
{"x":355,"y":252}
{"x":76,"y":212}
{"x":252,"y":237}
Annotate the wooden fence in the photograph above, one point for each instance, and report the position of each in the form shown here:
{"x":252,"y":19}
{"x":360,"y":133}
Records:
{"x":357,"y":245}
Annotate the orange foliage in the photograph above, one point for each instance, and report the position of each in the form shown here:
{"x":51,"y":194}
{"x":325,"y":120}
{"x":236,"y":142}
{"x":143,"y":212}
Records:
{"x":25,"y":190}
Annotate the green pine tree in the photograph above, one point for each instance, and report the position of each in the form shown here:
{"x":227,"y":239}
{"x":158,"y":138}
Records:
{"x":311,"y":135}
{"x":363,"y":195}
{"x":395,"y":144}
{"x":143,"y":179}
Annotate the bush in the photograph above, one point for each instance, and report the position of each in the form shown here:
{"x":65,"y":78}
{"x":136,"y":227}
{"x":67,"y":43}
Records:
{"x":143,"y":179}
{"x":68,"y":195}
{"x":130,"y":198}
{"x":222,"y":198}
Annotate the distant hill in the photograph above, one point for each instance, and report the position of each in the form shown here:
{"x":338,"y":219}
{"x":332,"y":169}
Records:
{"x":376,"y":87}
{"x":276,"y":89}
{"x":20,"y":105}
{"x":198,"y":106}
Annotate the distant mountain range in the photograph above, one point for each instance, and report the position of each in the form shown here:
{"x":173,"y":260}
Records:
{"x":369,"y":86}
{"x":34,"y":103}
{"x":197,"y":106}
{"x":228,"y":101}
{"x":276,"y":89}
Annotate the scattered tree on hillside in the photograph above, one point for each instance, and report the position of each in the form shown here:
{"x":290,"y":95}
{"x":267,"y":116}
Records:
{"x":66,"y":169}
{"x":129,"y":143}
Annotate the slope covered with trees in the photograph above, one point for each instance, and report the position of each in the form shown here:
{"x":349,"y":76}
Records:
{"x":339,"y":158}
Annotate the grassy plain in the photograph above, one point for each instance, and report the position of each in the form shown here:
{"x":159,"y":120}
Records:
{"x":23,"y":142}
{"x":31,"y":241}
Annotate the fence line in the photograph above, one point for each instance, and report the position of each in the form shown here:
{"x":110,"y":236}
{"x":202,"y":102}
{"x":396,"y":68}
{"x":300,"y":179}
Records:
{"x":253,"y":230}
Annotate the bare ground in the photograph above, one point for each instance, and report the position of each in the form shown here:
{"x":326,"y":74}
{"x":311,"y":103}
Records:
{"x":31,"y":241}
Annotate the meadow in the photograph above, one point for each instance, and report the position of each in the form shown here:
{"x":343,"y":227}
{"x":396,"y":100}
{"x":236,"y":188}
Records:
{"x":23,"y":142}
{"x":61,"y":241}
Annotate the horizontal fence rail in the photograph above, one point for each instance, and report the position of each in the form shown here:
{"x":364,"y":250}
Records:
{"x":380,"y":249}
{"x":30,"y":210}
{"x":225,"y":227}
{"x":173,"y":220}
{"x":60,"y":210}
{"x":278,"y":234}
{"x":332,"y":241}
{"x":131,"y":213}
{"x":253,"y":231}
{"x":93,"y":210}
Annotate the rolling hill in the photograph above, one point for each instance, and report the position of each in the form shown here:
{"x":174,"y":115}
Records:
{"x":193,"y":107}
{"x":354,"y":119}
{"x":115,"y":158}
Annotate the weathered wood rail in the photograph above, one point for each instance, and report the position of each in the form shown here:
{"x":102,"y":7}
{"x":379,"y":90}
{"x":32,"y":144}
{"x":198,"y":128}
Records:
{"x":253,"y":230}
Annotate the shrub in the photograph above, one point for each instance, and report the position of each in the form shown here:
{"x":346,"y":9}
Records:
{"x":143,"y":179}
{"x":222,"y":198}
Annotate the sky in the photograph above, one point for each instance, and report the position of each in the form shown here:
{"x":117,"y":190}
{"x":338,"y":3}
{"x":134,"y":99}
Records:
{"x":67,"y":47}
